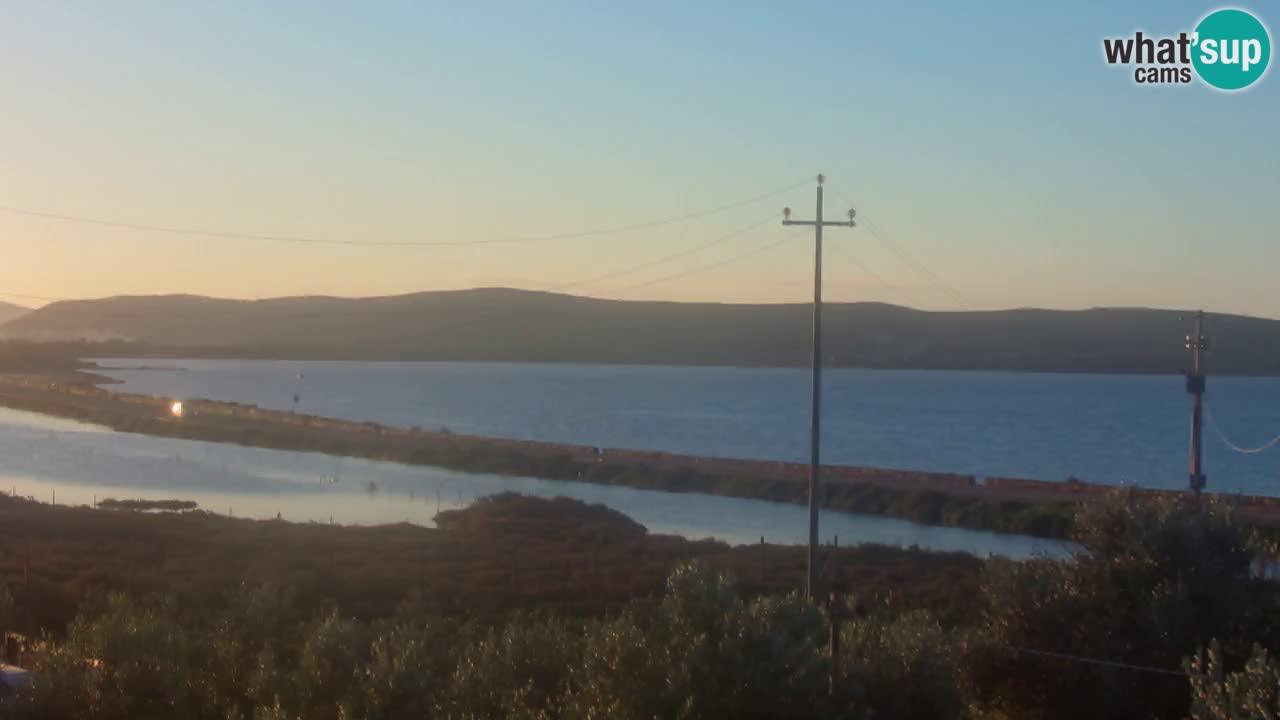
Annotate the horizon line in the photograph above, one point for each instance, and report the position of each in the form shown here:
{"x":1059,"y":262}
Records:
{"x":51,"y":301}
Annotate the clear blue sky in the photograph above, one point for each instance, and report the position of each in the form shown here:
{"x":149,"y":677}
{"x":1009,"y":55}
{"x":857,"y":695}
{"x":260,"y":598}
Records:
{"x":989,"y":139}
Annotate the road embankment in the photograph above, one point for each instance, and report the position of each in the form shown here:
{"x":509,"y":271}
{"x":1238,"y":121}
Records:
{"x":1041,"y":509}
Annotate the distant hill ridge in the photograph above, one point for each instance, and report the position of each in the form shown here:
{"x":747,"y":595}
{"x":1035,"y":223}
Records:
{"x":498,"y":324}
{"x":9,"y":311}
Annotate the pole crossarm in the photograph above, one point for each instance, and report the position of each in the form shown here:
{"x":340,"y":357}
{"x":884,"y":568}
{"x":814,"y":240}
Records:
{"x":825,"y":223}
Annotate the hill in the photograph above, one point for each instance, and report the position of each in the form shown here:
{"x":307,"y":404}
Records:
{"x":9,"y":311}
{"x":526,"y":326}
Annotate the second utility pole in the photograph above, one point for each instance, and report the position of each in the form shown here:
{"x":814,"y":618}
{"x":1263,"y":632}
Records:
{"x":1196,"y":343}
{"x":815,"y":420}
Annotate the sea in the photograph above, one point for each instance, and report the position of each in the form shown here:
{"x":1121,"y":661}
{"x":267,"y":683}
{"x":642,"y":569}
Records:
{"x":1113,"y":429}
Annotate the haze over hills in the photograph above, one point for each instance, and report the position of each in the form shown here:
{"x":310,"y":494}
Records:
{"x":526,"y":326}
{"x":9,"y":311}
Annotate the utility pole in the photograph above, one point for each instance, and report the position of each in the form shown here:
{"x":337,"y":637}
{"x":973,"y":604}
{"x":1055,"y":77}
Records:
{"x":815,"y":420}
{"x":1195,"y":344}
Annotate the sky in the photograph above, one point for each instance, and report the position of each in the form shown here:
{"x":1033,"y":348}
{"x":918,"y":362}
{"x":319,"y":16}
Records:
{"x":996,"y":159}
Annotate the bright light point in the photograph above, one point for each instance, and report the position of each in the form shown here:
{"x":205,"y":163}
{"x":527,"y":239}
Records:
{"x":176,"y":408}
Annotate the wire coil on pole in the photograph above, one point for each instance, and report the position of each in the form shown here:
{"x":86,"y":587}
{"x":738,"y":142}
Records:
{"x":1217,"y":430}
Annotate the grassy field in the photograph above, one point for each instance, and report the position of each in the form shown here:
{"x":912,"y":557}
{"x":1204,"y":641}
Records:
{"x":503,"y":553}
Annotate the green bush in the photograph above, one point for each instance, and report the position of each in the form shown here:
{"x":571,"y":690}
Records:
{"x":704,"y":652}
{"x":517,"y":671}
{"x":408,"y":669}
{"x":128,"y":662}
{"x":1152,"y":581}
{"x":908,"y":665}
{"x":1252,"y":692}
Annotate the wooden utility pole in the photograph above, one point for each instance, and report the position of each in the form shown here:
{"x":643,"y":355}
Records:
{"x":1195,"y":344}
{"x":815,"y":420}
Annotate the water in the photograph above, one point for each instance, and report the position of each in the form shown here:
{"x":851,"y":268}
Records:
{"x":1102,"y":428}
{"x":77,"y":462}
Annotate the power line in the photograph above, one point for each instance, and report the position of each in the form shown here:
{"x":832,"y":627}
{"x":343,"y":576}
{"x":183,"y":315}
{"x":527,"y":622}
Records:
{"x":1217,"y":430}
{"x":910,"y":260}
{"x":860,"y":265}
{"x":920,"y":268}
{"x":200,"y":232}
{"x":624,"y":271}
{"x":702,"y":268}
{"x":616,"y":273}
{"x":666,"y":258}
{"x":1102,"y":663}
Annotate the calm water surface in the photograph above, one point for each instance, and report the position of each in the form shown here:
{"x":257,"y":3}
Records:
{"x":46,"y":457}
{"x":1103,"y":428}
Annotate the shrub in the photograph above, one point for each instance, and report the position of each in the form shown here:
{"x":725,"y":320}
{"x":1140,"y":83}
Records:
{"x":1252,"y":692}
{"x":520,"y":670}
{"x":129,"y":662}
{"x":907,"y":664}
{"x":704,"y":653}
{"x":1152,"y":581}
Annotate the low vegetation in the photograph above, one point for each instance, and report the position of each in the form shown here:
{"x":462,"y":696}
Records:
{"x":145,"y":505}
{"x":503,"y":553}
{"x":1156,"y":616}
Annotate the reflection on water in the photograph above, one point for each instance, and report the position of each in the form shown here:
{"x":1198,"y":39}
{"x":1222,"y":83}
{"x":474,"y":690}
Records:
{"x":79,"y":463}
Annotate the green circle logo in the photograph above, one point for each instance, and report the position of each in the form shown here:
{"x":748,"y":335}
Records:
{"x":1232,"y":49}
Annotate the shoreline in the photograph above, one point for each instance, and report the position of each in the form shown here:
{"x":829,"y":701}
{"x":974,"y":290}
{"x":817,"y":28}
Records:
{"x":1009,"y":505}
{"x":213,"y":353}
